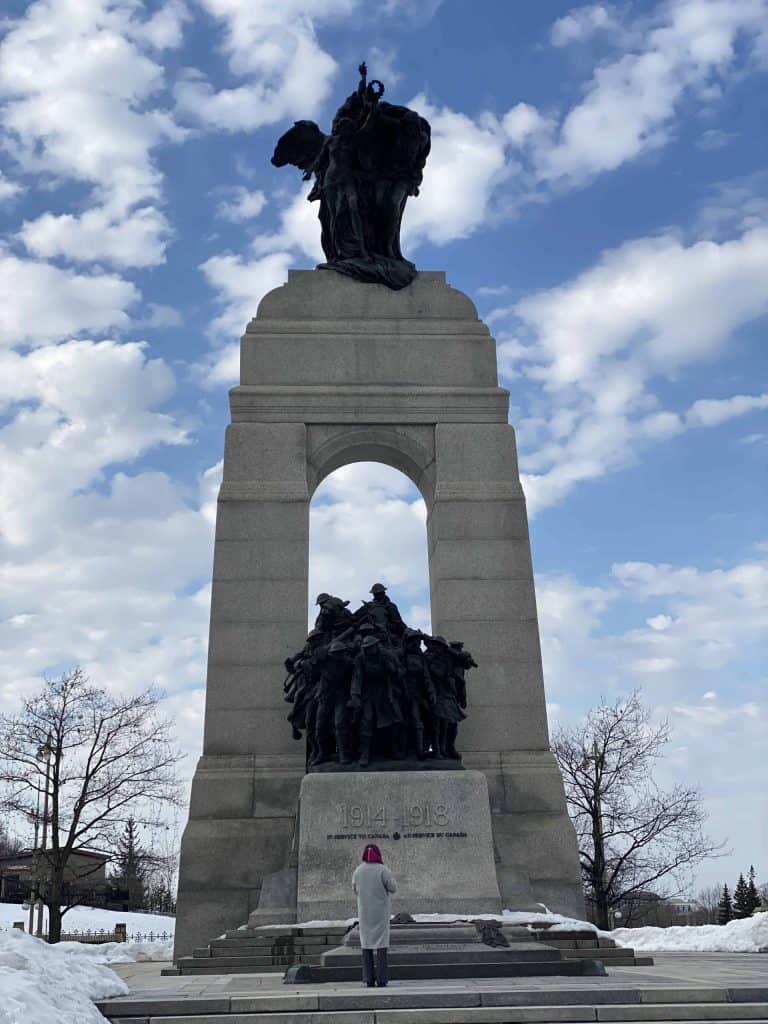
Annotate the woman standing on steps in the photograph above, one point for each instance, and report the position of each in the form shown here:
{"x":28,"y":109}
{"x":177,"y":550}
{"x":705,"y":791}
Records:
{"x":373,"y":884}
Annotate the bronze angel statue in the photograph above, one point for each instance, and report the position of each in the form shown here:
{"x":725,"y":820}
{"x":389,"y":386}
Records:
{"x":364,"y":172}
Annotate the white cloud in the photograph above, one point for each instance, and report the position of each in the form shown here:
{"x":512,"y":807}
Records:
{"x":711,"y":412}
{"x":734,"y":206}
{"x":80,"y":407}
{"x":299,"y":229}
{"x":355,"y":514}
{"x":8,"y":189}
{"x":164,"y":29}
{"x":79,"y":94}
{"x":98,"y":566}
{"x":582,"y":23}
{"x":630,"y":103}
{"x":274,"y":47}
{"x":382,"y":64}
{"x":714,"y":632}
{"x":40,"y":302}
{"x":159,"y":315}
{"x":717,"y":616}
{"x":466,"y":163}
{"x":240,"y":286}
{"x":714,"y":138}
{"x":598,"y":343}
{"x":137,"y":239}
{"x":242,"y":205}
{"x":670,"y":302}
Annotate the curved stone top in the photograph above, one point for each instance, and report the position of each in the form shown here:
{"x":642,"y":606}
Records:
{"x":324,"y":294}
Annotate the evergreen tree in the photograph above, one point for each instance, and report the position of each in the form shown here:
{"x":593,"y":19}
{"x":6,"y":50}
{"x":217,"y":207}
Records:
{"x":753,"y":897}
{"x":724,"y":907}
{"x":131,"y":862}
{"x":741,"y":899}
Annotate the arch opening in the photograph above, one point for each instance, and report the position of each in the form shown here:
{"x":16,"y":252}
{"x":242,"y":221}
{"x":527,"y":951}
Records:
{"x":368,"y":525}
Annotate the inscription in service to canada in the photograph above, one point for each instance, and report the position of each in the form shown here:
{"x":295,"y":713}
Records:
{"x":375,"y":821}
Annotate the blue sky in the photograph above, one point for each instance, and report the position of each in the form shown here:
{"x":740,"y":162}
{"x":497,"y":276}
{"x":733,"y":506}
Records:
{"x":597,"y":185}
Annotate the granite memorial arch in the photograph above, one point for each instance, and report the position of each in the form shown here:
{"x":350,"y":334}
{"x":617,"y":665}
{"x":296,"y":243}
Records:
{"x":335,"y":372}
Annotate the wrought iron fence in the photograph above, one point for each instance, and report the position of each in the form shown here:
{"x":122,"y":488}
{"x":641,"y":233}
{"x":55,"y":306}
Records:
{"x":101,"y":935}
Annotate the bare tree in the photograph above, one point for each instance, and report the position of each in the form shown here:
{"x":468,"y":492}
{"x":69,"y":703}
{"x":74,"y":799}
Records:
{"x":632,"y":835}
{"x":709,"y":898}
{"x":162,"y":868}
{"x":9,"y":843}
{"x":94,"y":760}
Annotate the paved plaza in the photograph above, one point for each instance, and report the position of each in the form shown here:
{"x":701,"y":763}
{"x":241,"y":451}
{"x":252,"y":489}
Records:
{"x":680,"y":986}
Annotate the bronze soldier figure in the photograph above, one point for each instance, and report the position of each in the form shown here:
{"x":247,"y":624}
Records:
{"x":440,"y":662}
{"x":419,"y":690}
{"x":381,"y":612}
{"x":372,"y":696}
{"x":368,"y":671}
{"x":333,"y":695}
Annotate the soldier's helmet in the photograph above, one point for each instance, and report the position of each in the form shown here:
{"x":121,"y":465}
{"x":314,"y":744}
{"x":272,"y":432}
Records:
{"x":436,"y":640}
{"x":370,"y":641}
{"x":337,"y":647}
{"x":321,"y":598}
{"x":378,"y":588}
{"x":366,"y":627}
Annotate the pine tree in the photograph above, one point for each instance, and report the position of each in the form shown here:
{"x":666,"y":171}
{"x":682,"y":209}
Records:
{"x":724,"y":907}
{"x":131,"y":861}
{"x":753,"y":898}
{"x":741,"y":899}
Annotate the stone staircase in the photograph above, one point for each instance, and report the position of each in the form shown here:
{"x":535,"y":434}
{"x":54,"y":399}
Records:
{"x":262,"y":950}
{"x":274,"y":948}
{"x":436,"y":1005}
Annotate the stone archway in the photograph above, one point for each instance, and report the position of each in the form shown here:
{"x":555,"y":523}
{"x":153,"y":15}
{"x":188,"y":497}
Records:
{"x":334,"y":372}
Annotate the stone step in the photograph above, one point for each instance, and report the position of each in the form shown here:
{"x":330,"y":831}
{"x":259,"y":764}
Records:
{"x":244,"y":949}
{"x":430,"y":971}
{"x":242,"y":964}
{"x":535,"y":1014}
{"x":448,"y":954}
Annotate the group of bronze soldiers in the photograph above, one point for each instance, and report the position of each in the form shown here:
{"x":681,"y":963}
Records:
{"x":362,"y":686}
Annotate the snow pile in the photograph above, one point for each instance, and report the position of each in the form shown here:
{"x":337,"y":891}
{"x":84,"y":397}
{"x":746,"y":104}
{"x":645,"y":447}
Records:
{"x":121,"y":952}
{"x":516,"y":917}
{"x":749,"y":935}
{"x":42,"y":984}
{"x":511,"y":917}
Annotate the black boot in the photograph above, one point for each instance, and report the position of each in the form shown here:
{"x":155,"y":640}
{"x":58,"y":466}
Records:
{"x":420,"y":751}
{"x":365,"y":751}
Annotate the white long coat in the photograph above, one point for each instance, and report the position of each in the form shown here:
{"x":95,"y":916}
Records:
{"x":373,"y":884}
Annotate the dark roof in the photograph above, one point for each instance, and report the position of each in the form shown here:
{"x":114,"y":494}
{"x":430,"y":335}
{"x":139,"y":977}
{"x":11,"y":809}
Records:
{"x":23,"y":855}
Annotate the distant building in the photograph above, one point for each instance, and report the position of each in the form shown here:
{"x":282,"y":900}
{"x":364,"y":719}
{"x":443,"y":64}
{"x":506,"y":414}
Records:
{"x":649,"y":908}
{"x":85,"y":876}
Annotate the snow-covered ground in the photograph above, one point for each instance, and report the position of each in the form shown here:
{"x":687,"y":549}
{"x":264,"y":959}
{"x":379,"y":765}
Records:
{"x":94,"y":919}
{"x":42,"y":984}
{"x":749,"y":935}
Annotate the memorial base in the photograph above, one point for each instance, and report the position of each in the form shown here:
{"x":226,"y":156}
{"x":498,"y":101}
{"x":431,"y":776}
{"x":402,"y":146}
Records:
{"x":434,"y":830}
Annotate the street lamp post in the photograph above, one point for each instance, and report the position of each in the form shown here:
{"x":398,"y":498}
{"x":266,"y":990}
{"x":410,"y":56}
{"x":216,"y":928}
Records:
{"x":46,"y":751}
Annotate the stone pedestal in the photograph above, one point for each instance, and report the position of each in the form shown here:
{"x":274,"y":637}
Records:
{"x":333,"y":372}
{"x":434,"y":829}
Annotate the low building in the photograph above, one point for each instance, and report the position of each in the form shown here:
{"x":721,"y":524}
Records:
{"x":85,"y":877}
